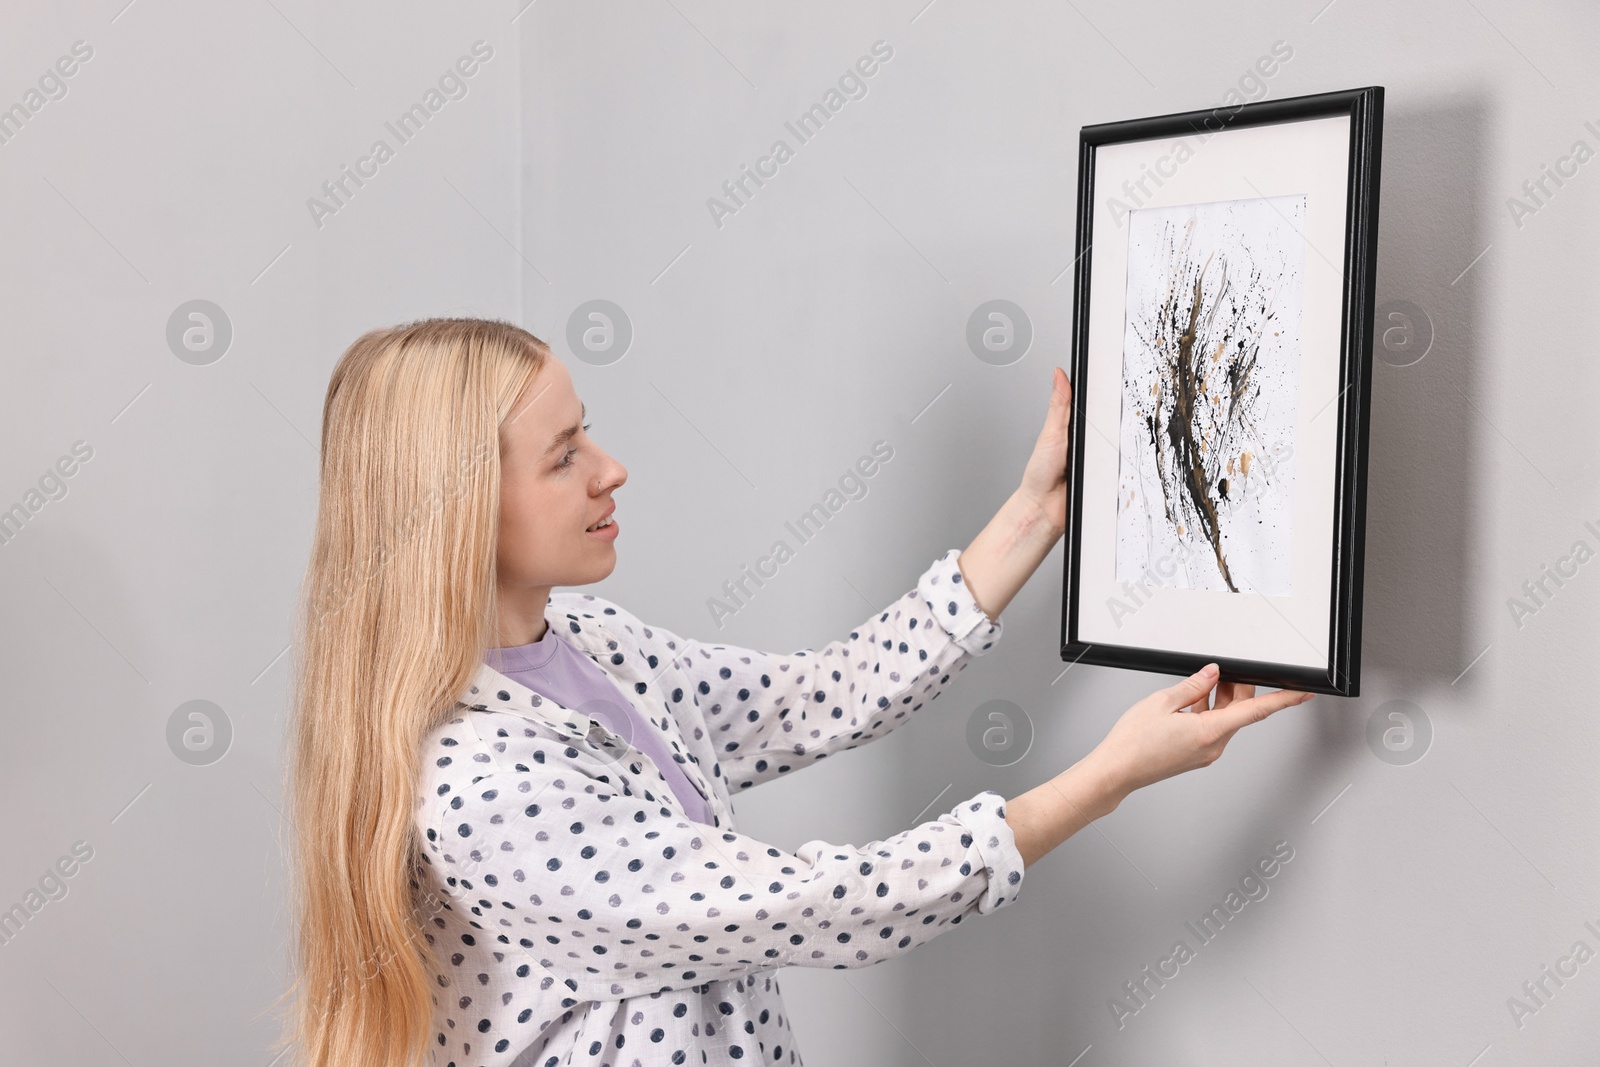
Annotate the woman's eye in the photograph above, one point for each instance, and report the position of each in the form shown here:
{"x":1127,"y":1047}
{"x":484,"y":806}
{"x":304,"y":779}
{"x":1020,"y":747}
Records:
{"x":566,"y":460}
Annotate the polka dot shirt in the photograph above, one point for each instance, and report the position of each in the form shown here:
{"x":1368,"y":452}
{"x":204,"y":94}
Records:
{"x":578,"y":916}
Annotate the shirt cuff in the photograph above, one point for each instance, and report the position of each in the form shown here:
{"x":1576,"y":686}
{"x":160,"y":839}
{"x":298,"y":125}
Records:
{"x":951,"y":602}
{"x":984,"y":816}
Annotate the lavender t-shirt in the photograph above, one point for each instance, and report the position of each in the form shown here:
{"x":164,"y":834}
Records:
{"x":554,"y":668}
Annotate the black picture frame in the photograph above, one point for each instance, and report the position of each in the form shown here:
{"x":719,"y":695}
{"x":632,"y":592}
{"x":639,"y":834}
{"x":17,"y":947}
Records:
{"x":1341,"y":675}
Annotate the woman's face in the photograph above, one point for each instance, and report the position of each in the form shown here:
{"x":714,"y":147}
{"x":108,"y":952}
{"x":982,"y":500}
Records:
{"x":555,"y":483}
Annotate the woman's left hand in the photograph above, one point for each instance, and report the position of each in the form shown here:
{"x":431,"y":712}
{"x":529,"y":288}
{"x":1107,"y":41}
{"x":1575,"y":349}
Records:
{"x":1044,"y":482}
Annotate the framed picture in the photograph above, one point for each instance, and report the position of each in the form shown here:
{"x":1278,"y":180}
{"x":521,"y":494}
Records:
{"x":1222,"y":355}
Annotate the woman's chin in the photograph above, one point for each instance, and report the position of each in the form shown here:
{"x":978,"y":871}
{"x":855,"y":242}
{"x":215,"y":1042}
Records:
{"x":606,"y":563}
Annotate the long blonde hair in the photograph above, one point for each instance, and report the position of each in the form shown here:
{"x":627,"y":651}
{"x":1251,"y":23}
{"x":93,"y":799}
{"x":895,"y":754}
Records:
{"x":393,"y":621}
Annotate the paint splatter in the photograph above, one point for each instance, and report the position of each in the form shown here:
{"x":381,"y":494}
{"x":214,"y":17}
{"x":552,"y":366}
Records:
{"x":1211,"y":357}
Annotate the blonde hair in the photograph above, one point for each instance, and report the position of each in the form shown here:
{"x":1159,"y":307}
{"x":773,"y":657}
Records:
{"x":393,"y":621}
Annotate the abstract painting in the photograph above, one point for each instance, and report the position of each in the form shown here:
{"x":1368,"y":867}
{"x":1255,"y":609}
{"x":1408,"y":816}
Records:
{"x":1210,"y":376}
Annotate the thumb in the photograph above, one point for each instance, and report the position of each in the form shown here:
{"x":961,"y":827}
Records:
{"x":1060,"y":393}
{"x":1191,"y":688}
{"x":1056,"y":419}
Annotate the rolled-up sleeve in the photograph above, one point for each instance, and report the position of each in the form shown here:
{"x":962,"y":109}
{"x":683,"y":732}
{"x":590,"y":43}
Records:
{"x":612,"y":895}
{"x":771,"y":713}
{"x":944,"y":590}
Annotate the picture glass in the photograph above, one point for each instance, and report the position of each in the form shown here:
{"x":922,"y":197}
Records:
{"x":1212,"y":363}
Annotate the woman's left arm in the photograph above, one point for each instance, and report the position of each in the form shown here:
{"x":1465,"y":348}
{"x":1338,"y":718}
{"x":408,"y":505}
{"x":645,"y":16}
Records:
{"x":1010,"y":548}
{"x":767,"y":713}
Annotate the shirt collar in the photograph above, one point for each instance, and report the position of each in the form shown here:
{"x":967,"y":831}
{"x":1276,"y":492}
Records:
{"x":495,"y":691}
{"x":533,"y":656}
{"x":492,"y":690}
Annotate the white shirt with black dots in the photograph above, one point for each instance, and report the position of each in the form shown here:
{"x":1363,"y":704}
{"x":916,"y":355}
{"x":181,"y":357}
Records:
{"x":577,"y":916}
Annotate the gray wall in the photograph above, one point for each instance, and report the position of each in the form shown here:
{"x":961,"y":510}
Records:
{"x":767,"y":354}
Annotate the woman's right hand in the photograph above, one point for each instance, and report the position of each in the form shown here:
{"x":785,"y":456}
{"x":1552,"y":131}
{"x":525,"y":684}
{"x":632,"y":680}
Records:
{"x":1174,"y":730}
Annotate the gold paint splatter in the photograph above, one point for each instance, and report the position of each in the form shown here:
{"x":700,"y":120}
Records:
{"x":1244,"y":463}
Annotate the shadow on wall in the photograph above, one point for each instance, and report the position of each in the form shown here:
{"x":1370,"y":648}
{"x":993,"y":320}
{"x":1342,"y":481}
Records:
{"x":1427,"y":434}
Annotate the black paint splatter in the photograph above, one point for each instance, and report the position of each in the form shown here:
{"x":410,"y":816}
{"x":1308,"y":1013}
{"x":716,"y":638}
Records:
{"x":1205,"y":338}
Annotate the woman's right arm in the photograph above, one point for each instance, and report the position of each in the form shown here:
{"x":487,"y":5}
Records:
{"x":1168,"y":732}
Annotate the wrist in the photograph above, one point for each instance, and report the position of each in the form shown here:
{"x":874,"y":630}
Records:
{"x":1030,"y":520}
{"x":1104,"y":787}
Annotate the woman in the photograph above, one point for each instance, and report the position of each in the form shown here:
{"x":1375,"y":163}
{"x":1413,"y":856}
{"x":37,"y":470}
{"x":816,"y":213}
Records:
{"x":514,"y":837}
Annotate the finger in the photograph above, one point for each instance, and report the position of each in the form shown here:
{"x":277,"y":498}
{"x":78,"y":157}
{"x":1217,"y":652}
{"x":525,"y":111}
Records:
{"x":1232,"y":692}
{"x":1191,"y":689}
{"x":1061,"y":392}
{"x":1244,"y":712}
{"x":1060,"y":411}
